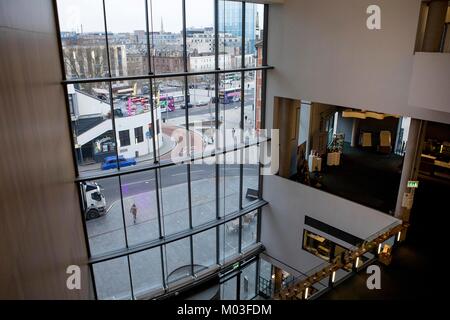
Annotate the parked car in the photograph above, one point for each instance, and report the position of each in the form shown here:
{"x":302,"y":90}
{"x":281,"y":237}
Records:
{"x":201,"y":103}
{"x":183,"y":106}
{"x":111,"y":162}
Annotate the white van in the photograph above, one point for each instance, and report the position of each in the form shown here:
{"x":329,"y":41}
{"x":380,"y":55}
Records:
{"x":94,"y":203}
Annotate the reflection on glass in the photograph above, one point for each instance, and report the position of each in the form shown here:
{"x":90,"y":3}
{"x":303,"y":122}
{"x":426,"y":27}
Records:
{"x":321,"y":246}
{"x":228,"y":289}
{"x":112,"y":280}
{"x":178,"y":260}
{"x":140,"y":207}
{"x":204,"y":249}
{"x":229,"y":239}
{"x":146,"y":272}
{"x":103,"y":212}
{"x":249,"y":226}
{"x":317,"y":245}
{"x":248,"y":282}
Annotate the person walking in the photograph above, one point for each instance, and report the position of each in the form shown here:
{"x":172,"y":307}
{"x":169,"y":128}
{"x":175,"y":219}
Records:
{"x":133,"y":211}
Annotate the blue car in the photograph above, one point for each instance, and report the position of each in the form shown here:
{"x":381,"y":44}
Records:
{"x":111,"y":162}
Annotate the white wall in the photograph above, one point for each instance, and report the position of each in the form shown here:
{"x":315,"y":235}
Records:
{"x":430,"y":81}
{"x":283,"y":219}
{"x":323,"y":52}
{"x":88,"y":105}
{"x":129,"y":123}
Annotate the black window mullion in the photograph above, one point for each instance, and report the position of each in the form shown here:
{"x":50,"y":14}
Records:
{"x":241,"y":126}
{"x":111,"y":101}
{"x":94,"y":285}
{"x":188,"y":138}
{"x":159,"y":203}
{"x":164,"y":282}
{"x":216,"y":126}
{"x":123,"y":211}
{"x":131,"y":278}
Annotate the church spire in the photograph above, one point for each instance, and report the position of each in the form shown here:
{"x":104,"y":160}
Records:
{"x":162,"y":25}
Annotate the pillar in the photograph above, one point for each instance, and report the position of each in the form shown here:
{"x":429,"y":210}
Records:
{"x":278,"y":278}
{"x":411,"y":162}
{"x":434,"y":29}
{"x":354,"y":141}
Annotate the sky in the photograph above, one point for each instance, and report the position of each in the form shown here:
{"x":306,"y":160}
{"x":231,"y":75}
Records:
{"x":129,"y":15}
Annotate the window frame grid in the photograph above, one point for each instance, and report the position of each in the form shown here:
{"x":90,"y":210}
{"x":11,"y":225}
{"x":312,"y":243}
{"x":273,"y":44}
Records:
{"x":163,"y":240}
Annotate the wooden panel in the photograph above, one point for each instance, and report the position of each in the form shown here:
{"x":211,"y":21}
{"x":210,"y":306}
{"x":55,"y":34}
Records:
{"x":40,"y":225}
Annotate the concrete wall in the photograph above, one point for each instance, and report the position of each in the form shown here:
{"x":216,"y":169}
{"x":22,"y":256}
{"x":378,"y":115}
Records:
{"x":283,"y":219}
{"x":323,"y":52}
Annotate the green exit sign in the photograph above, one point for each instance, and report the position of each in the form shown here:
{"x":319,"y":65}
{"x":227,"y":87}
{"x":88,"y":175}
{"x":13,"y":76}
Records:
{"x":413,"y":184}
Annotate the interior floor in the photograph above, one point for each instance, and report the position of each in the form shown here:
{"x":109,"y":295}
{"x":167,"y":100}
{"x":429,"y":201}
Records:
{"x":364,"y":176}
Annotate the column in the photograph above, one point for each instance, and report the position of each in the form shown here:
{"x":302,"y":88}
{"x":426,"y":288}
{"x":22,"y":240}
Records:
{"x":437,"y":11}
{"x":411,"y":164}
{"x":278,"y":278}
{"x":354,"y":141}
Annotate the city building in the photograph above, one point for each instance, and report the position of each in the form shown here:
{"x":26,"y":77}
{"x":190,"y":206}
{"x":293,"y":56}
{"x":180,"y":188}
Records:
{"x":201,"y":170}
{"x":230,"y":21}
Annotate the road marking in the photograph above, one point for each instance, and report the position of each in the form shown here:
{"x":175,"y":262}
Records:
{"x":137,"y":182}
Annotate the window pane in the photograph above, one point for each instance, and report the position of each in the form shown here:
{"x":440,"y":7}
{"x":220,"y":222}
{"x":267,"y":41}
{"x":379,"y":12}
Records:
{"x":249,"y":229}
{"x":228,"y":289}
{"x":139,"y":200}
{"x":202,"y":114}
{"x":170,"y":104}
{"x":92,"y":129}
{"x":127,"y":37}
{"x":178,"y":260}
{"x":229,"y":176}
{"x":250,"y":176}
{"x":230,"y":109}
{"x":174,"y":198}
{"x":166,"y":36}
{"x":230,"y":34}
{"x":146,"y":272}
{"x":103,"y":212}
{"x":200,"y":35}
{"x":132,"y":110}
{"x":254,"y":25}
{"x":204,"y":249}
{"x":203,"y":191}
{"x":248,"y":282}
{"x":112,"y":279}
{"x":83,"y":38}
{"x":229,"y":239}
